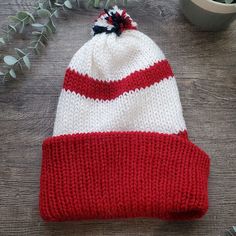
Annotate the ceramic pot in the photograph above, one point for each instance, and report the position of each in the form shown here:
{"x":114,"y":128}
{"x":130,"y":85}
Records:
{"x":208,"y":14}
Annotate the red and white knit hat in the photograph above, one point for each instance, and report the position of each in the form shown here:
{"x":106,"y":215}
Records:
{"x":120,"y":147}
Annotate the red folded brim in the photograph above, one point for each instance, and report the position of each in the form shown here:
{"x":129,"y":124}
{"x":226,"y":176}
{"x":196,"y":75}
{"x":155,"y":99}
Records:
{"x":122,"y":175}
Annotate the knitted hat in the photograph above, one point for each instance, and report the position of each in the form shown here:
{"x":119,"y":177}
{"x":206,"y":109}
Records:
{"x":120,"y":148}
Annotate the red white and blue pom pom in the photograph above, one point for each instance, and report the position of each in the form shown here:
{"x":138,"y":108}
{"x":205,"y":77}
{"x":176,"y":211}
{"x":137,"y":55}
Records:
{"x":115,"y":21}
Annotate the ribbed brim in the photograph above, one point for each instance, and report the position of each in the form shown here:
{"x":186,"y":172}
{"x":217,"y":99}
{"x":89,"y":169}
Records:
{"x":122,"y":175}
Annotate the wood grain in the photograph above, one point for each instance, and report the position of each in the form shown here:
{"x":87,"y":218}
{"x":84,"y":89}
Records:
{"x":205,"y":66}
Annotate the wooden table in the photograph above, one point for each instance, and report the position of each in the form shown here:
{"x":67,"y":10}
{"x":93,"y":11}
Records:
{"x":205,"y":67}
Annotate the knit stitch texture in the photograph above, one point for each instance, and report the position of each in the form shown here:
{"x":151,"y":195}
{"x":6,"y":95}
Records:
{"x":121,"y":175}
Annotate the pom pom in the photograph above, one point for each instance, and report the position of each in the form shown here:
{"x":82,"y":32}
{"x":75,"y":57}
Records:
{"x":115,"y":21}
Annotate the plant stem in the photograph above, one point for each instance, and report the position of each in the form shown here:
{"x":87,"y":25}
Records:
{"x":11,"y":29}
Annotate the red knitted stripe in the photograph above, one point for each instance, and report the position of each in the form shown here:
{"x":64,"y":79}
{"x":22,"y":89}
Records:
{"x":96,"y":89}
{"x":121,"y":175}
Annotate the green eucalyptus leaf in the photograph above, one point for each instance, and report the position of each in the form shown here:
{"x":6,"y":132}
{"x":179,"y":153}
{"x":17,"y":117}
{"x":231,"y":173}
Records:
{"x":49,"y":30}
{"x":37,"y":25}
{"x":12,"y":73}
{"x":68,"y":4}
{"x":43,"y":13}
{"x":2,"y":41}
{"x":58,"y":4}
{"x":229,"y":1}
{"x":40,"y":4}
{"x":96,"y":3}
{"x":21,"y":67}
{"x":12,"y":27}
{"x":52,"y":25}
{"x":26,"y":61}
{"x":89,"y":2}
{"x":21,"y":30}
{"x":22,"y":15}
{"x":107,"y":4}
{"x":19,"y":52}
{"x":234,"y":228}
{"x":10,"y":60}
{"x":50,"y":4}
{"x":56,"y":13}
{"x":14,"y":18}
{"x":30,"y":15}
{"x":36,"y":33}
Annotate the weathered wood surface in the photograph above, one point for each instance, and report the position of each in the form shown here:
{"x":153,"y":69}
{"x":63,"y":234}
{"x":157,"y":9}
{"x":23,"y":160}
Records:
{"x":205,"y":66}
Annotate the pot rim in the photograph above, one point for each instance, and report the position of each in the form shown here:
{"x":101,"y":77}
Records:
{"x":216,"y":7}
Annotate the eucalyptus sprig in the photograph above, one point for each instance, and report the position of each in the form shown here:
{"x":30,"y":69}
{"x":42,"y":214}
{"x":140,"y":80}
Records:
{"x":230,"y":231}
{"x":17,"y":25}
{"x":47,"y":11}
{"x":14,"y":63}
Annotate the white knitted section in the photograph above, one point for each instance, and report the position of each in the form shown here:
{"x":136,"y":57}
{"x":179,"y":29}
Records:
{"x":107,"y":57}
{"x":156,"y":108}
